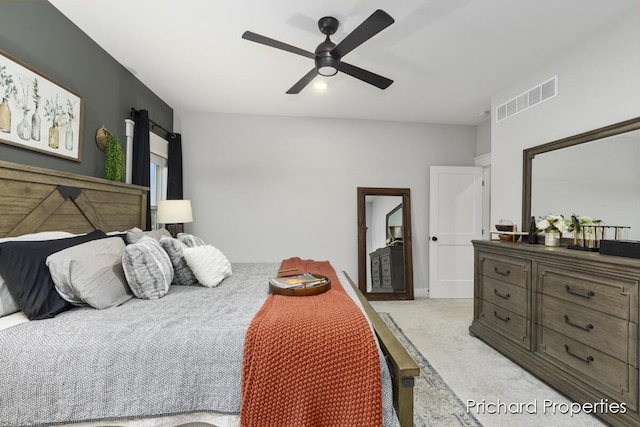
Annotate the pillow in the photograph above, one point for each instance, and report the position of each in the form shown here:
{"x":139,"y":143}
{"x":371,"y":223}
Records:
{"x":147,"y":268}
{"x":208,"y":264}
{"x":190,"y":240}
{"x":135,"y":234}
{"x":7,"y":304}
{"x":22,"y":264}
{"x":91,"y":273}
{"x":182,"y":274}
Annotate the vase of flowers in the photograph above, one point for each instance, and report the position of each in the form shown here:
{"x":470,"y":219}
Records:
{"x":53,"y":112}
{"x":553,"y":227}
{"x":6,"y":84}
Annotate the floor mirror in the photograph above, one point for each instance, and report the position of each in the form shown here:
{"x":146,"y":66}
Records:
{"x":385,"y":267}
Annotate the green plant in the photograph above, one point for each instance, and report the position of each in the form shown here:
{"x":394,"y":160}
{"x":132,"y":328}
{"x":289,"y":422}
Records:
{"x":114,"y":163}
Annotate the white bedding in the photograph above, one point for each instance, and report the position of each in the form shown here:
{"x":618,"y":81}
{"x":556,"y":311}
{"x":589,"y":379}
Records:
{"x":12,"y":320}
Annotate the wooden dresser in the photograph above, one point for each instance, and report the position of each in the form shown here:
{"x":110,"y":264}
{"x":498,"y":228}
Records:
{"x":569,"y":317}
{"x":387,"y":268}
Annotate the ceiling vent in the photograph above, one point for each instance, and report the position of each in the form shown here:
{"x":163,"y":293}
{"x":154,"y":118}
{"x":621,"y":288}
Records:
{"x":544,"y":91}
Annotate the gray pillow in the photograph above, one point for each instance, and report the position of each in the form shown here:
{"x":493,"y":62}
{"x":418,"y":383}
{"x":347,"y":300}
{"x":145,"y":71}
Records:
{"x":182,"y":274}
{"x":91,"y":273}
{"x":147,"y":268}
{"x":7,"y":303}
{"x":190,"y":240}
{"x":135,"y":234}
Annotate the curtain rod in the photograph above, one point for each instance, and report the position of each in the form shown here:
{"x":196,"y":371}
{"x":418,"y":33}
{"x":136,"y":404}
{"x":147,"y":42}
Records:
{"x":153,"y":124}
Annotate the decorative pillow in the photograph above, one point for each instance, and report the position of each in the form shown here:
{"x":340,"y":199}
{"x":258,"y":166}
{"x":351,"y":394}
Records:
{"x":147,"y":268}
{"x":135,"y":234}
{"x":91,"y":273}
{"x":7,"y":304}
{"x":22,"y":264}
{"x":208,"y":264}
{"x":190,"y":240}
{"x":182,"y":274}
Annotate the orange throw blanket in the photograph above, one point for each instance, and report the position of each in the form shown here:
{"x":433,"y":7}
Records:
{"x":311,"y":360}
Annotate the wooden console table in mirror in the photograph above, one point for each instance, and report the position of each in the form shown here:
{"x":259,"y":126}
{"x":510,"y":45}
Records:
{"x":385,"y":266}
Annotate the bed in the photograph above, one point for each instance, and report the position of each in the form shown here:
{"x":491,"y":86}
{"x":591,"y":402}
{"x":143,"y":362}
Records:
{"x":165,"y":361}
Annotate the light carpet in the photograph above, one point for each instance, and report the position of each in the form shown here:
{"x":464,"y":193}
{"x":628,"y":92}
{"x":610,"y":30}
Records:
{"x":434,"y":403}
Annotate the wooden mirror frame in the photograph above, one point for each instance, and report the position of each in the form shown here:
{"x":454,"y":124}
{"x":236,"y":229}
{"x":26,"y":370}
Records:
{"x":405,"y":193}
{"x":530,"y":153}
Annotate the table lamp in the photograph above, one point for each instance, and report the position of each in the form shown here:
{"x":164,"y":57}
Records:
{"x":173,"y":214}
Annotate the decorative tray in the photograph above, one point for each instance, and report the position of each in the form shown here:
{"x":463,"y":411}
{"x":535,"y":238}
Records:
{"x":304,"y":289}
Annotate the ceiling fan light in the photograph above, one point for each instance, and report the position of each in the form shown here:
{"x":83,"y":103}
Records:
{"x":327,"y":65}
{"x":327,"y":70}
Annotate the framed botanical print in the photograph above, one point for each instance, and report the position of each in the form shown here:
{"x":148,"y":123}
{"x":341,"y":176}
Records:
{"x":38,"y":113}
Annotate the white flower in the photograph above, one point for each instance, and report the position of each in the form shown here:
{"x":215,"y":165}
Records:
{"x":543,"y":224}
{"x":553,"y":223}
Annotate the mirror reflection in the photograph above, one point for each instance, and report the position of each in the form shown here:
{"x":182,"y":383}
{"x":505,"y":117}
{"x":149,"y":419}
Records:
{"x":599,"y":179}
{"x":384,"y":243}
{"x":593,"y":174}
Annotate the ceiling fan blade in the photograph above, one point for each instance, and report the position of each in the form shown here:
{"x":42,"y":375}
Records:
{"x":248,"y":35}
{"x":296,"y":88}
{"x":365,"y":76}
{"x":378,"y":21}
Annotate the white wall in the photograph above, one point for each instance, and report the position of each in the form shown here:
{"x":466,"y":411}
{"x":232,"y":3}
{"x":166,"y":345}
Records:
{"x":268,"y":188}
{"x":599,"y":84}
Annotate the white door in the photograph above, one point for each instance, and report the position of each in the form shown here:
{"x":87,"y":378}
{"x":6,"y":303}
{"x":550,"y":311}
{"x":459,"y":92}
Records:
{"x":455,"y":218}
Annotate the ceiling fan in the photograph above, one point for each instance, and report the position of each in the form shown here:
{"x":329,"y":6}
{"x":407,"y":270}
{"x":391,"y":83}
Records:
{"x":328,"y":56}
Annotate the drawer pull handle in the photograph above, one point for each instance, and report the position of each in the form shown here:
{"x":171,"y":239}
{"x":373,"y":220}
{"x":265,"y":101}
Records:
{"x":587,"y":359}
{"x":504,"y":319}
{"x":502,"y":273}
{"x":505,"y":296}
{"x":588,"y":327}
{"x":587,"y":294}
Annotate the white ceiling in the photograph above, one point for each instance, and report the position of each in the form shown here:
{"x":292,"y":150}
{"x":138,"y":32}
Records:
{"x":446,"y":57}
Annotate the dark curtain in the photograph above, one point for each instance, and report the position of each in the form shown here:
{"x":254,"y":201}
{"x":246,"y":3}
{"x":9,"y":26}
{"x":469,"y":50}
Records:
{"x":174,"y":184}
{"x":141,"y":173}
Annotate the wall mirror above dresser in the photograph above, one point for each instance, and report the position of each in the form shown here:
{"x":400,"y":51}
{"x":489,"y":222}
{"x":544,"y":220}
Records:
{"x":385,"y":267}
{"x":594,"y":174}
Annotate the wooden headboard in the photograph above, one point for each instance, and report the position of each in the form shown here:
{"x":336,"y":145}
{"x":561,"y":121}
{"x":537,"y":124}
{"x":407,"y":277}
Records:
{"x":34,"y":199}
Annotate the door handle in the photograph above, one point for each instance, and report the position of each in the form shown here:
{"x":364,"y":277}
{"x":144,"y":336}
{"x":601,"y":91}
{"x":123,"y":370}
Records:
{"x":434,"y":238}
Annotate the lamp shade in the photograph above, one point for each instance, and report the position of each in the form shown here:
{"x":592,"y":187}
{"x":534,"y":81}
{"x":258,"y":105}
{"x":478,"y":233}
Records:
{"x":174,"y":211}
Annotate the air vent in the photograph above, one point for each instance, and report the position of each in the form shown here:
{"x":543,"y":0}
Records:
{"x":543,"y":92}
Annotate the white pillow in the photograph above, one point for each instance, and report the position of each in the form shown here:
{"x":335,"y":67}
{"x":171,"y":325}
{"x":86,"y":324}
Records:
{"x":208,"y":264}
{"x":7,"y":303}
{"x":91,"y":273}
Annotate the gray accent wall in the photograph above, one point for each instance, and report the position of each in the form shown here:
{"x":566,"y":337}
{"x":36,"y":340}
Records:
{"x":36,"y":33}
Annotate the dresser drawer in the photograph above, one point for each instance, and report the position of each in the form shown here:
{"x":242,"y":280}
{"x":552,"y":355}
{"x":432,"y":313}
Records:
{"x":611,"y":295}
{"x":506,"y":295}
{"x":609,"y":334}
{"x":375,"y":265}
{"x":386,"y":269}
{"x":387,"y":281}
{"x":607,"y":374}
{"x":385,"y":259}
{"x":376,"y":281}
{"x":505,"y":269}
{"x":508,"y":323}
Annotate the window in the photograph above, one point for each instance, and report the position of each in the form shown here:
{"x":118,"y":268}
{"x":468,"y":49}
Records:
{"x":159,"y":148}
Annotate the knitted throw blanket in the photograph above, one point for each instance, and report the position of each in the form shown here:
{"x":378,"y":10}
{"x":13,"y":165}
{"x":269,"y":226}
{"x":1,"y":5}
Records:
{"x":310,"y":360}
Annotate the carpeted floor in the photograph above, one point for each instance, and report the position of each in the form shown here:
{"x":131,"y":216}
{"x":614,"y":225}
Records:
{"x":435,"y":404}
{"x":475,"y":372}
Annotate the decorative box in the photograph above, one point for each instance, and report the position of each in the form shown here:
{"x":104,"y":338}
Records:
{"x":625,"y":248}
